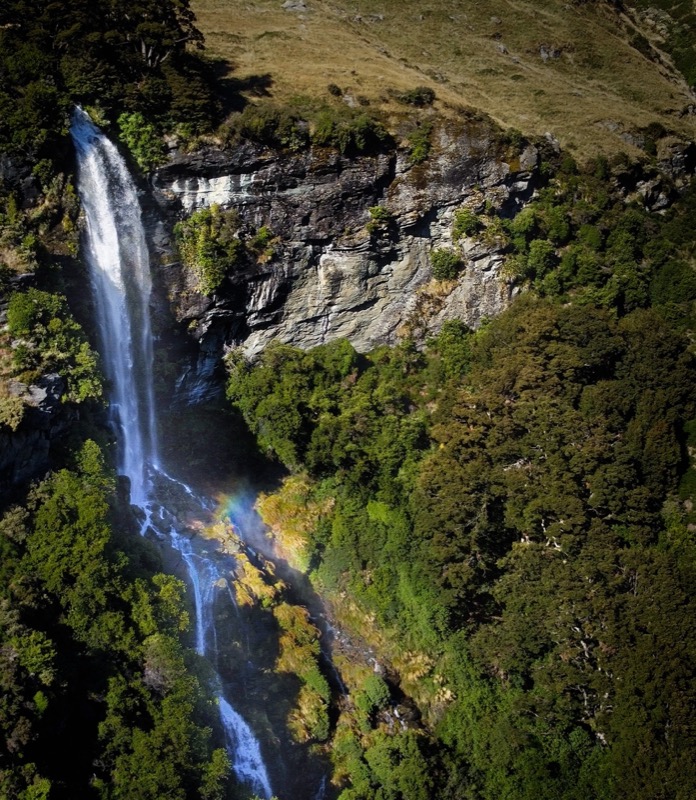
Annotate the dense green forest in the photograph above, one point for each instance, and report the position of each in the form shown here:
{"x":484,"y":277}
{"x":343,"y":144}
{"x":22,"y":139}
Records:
{"x":123,"y":58}
{"x":98,"y":696}
{"x":516,"y":504}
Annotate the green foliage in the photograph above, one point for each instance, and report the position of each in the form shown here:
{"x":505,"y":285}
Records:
{"x":392,"y":768}
{"x":299,"y":655}
{"x":78,"y":663}
{"x":540,"y":258}
{"x":123,"y":57}
{"x":420,"y":96}
{"x":380,"y":219}
{"x":680,"y":19}
{"x":420,"y":144}
{"x":349,"y":131}
{"x":466,"y":223}
{"x":11,"y":409}
{"x":270,"y":125}
{"x":377,"y":692}
{"x":209,"y":245}
{"x":453,"y":347}
{"x":142,"y":140}
{"x":446,"y":264}
{"x":51,"y":340}
{"x":512,"y":503}
{"x":262,"y":244}
{"x":577,"y":238}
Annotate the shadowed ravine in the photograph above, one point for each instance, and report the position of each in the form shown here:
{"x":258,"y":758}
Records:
{"x":117,"y":256}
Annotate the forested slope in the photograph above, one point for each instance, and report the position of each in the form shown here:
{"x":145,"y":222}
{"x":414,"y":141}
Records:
{"x":514,"y":505}
{"x":99,"y":698}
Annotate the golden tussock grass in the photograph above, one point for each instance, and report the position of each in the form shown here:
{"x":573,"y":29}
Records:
{"x":591,"y":91}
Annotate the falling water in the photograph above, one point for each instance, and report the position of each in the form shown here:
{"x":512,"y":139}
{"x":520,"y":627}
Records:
{"x":117,"y":256}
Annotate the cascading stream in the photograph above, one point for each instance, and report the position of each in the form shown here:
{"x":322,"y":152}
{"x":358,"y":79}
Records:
{"x":117,"y":256}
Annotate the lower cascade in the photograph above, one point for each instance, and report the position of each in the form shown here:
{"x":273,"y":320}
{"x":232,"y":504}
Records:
{"x":117,"y":256}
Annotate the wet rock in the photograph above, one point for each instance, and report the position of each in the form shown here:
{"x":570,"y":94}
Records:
{"x":407,"y":713}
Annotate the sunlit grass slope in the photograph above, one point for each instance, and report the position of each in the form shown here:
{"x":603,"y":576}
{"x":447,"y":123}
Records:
{"x":549,"y":65}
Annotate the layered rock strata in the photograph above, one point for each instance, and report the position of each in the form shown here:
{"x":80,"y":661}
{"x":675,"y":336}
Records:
{"x":336,"y":271}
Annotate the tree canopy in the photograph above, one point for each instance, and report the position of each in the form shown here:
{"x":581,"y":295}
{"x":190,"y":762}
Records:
{"x":515,"y":505}
{"x":114,"y":55}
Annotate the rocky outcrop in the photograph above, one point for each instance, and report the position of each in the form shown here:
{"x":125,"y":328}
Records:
{"x":25,"y":453}
{"x":337,"y":272}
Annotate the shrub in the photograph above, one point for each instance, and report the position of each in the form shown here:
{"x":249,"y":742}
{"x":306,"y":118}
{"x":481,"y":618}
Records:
{"x":271,"y":125}
{"x":142,"y":140}
{"x":208,"y":245}
{"x":522,"y":227}
{"x":466,"y":223}
{"x":348,"y":131}
{"x":420,"y":96}
{"x":419,"y":143}
{"x":53,"y":340}
{"x":261,"y":244}
{"x":377,"y":691}
{"x":541,"y":257}
{"x":11,"y":408}
{"x":590,"y":236}
{"x":446,"y":264}
{"x":380,"y":217}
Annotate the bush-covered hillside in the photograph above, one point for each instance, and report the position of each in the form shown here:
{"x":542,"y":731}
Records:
{"x":515,"y":506}
{"x":98,"y":697}
{"x":592,"y":72}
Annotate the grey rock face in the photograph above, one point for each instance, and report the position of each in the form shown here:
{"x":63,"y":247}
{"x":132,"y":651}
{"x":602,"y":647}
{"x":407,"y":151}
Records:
{"x":334,"y":273}
{"x":26,"y":452}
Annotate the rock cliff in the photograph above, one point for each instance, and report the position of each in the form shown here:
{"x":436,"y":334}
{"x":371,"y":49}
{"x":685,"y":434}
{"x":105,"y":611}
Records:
{"x":333,"y":273}
{"x":27,"y":451}
{"x":339,"y":270}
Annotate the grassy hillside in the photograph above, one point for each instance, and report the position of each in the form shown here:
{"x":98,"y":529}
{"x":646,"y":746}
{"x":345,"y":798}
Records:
{"x":582,"y":70}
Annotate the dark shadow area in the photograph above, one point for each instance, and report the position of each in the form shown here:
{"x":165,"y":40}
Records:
{"x":213,"y":448}
{"x":229,"y":89}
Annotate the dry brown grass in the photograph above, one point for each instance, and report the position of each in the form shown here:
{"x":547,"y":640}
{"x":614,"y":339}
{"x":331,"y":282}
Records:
{"x":483,"y":54}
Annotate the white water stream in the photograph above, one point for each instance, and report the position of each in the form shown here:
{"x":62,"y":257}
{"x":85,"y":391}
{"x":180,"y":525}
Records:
{"x":117,"y":256}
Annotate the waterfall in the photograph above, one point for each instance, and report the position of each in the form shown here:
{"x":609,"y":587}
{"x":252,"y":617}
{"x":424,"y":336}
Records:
{"x":117,"y":256}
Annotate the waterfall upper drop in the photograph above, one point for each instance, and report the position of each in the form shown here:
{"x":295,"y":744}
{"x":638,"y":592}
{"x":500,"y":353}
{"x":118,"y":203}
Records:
{"x":117,"y":255}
